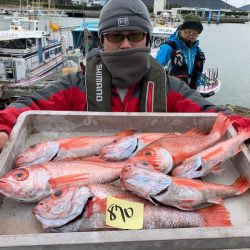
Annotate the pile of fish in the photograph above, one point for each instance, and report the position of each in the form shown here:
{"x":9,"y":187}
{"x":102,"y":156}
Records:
{"x":71,"y":178}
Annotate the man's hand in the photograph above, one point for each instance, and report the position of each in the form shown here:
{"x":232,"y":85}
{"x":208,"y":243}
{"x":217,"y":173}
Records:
{"x":3,"y":139}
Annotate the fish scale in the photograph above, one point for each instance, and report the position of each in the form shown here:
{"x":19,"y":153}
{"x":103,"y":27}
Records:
{"x":181,"y":193}
{"x":155,"y":217}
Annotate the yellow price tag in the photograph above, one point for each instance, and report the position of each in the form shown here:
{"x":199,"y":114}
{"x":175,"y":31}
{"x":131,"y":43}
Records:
{"x":124,"y":214}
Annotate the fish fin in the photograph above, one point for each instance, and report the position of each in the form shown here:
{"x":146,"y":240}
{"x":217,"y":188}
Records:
{"x":217,"y":200}
{"x":217,"y":169}
{"x":212,"y":153}
{"x":188,"y":201}
{"x":186,"y":205}
{"x":242,"y":184}
{"x":152,"y":199}
{"x":187,"y":165}
{"x":180,"y":157}
{"x":162,"y":184}
{"x":215,"y":216}
{"x":68,"y":180}
{"x":185,"y":208}
{"x":221,"y":124}
{"x":193,"y":132}
{"x":126,"y":132}
{"x":95,"y":158}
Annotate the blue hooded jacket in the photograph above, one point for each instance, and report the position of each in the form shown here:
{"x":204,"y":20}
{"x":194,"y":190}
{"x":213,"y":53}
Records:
{"x":164,"y":53}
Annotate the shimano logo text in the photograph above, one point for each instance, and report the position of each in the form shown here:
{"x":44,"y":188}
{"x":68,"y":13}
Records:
{"x":99,"y":96}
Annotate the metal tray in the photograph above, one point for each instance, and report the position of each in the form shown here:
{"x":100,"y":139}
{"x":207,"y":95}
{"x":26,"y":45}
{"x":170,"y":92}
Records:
{"x":20,"y":230}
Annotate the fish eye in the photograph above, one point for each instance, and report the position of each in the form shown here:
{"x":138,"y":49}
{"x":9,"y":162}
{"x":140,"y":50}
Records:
{"x":20,"y":174}
{"x":148,"y":153}
{"x":58,"y":193}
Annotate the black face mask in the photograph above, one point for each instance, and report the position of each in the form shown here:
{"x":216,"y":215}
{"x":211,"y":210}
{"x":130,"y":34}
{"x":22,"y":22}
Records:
{"x":128,"y":66}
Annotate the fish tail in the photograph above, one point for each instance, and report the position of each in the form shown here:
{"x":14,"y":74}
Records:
{"x":221,"y":124}
{"x":241,"y":185}
{"x":126,"y":132}
{"x":216,"y":216}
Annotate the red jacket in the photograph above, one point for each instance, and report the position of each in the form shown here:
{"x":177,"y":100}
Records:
{"x":69,"y":93}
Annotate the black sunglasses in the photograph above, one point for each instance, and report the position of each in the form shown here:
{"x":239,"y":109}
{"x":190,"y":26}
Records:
{"x":118,"y":37}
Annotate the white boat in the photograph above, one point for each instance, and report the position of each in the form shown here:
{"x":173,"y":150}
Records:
{"x":42,"y":13}
{"x":209,"y":83}
{"x":27,"y":54}
{"x":160,"y":35}
{"x":165,"y":25}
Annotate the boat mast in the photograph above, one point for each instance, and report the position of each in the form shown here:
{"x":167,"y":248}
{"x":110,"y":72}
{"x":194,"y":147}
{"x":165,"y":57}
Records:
{"x":159,"y":5}
{"x":49,"y":16}
{"x":20,"y":7}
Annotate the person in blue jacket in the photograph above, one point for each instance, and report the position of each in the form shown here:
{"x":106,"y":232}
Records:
{"x":181,"y":55}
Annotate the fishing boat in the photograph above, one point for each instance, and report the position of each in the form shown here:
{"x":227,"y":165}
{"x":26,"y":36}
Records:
{"x":164,"y":25}
{"x":85,"y":37}
{"x":209,"y":83}
{"x":28,"y":54}
{"x":160,"y":35}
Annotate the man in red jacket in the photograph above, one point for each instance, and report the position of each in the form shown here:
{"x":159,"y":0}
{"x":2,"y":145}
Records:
{"x":121,"y":77}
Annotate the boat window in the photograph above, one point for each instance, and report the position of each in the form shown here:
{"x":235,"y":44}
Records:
{"x":13,"y":44}
{"x":47,"y":56}
{"x":52,"y":52}
{"x":27,"y":25}
{"x":58,"y":50}
{"x":31,"y":42}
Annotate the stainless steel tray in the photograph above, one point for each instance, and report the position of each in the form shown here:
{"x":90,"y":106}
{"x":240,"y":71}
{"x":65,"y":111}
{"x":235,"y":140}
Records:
{"x":20,"y":230}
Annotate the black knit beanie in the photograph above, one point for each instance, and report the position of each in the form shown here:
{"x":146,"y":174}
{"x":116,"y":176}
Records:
{"x":192,"y":21}
{"x":120,"y":15}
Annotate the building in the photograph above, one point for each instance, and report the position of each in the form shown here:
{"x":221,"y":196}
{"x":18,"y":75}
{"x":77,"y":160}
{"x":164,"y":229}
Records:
{"x":89,"y":3}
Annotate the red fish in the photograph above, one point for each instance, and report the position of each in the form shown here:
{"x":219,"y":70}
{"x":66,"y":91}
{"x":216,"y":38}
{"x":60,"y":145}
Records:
{"x":33,"y":183}
{"x":93,"y":217}
{"x":182,"y":193}
{"x":66,"y":149}
{"x":185,"y":145}
{"x":126,"y":147}
{"x":211,"y":159}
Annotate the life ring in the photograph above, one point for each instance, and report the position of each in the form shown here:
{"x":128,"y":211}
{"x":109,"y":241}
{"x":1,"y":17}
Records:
{"x":157,"y":42}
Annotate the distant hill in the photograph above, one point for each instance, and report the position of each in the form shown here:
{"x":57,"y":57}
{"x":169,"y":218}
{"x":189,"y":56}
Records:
{"x":212,"y":4}
{"x":245,"y":7}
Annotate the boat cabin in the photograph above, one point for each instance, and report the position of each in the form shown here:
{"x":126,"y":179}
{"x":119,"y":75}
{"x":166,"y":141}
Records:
{"x":85,"y":37}
{"x":26,"y":52}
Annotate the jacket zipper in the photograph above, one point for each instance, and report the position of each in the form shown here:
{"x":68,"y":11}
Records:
{"x":150,"y":97}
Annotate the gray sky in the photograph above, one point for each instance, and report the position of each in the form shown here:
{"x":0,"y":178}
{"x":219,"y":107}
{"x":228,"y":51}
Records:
{"x":237,"y":3}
